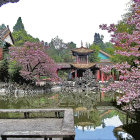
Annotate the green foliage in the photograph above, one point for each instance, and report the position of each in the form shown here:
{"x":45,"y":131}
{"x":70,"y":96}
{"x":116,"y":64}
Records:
{"x":20,"y":37}
{"x":2,"y":26}
{"x":60,"y":51}
{"x":95,"y":118}
{"x":123,"y":27}
{"x":94,"y":56}
{"x":53,"y":53}
{"x":110,"y":51}
{"x":19,"y":25}
{"x":4,"y":70}
{"x":71,"y":45}
{"x":13,"y":71}
{"x":119,"y":58}
{"x":4,"y":63}
{"x":106,"y":47}
{"x":62,"y":74}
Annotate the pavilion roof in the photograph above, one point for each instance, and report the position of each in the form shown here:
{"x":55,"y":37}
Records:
{"x":63,"y":65}
{"x":82,"y":50}
{"x":4,"y":33}
{"x":83,"y":66}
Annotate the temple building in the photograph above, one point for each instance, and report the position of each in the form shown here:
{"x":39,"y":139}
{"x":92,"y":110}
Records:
{"x":81,"y":63}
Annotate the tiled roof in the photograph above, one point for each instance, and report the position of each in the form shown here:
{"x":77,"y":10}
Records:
{"x":4,"y":33}
{"x":82,"y":50}
{"x":83,"y":66}
{"x":98,"y":64}
{"x":104,"y":53}
{"x":63,"y":65}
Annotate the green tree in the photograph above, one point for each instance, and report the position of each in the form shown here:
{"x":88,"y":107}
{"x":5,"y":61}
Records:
{"x":2,"y":26}
{"x":123,"y":27}
{"x":71,"y":45}
{"x":106,"y":47}
{"x":98,"y":39}
{"x":20,"y":35}
{"x":59,"y":50}
{"x":94,"y":56}
{"x":19,"y":25}
{"x":13,"y":71}
{"x":109,"y":48}
{"x":4,"y":63}
{"x":53,"y":53}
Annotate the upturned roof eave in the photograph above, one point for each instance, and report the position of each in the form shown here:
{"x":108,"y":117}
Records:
{"x":83,"y":66}
{"x":5,"y":33}
{"x":82,"y":50}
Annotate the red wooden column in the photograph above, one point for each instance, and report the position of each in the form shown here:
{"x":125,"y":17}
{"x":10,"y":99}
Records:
{"x":77,"y":59}
{"x":102,"y":95}
{"x":75,"y":73}
{"x":0,"y":53}
{"x":98,"y":75}
{"x":102,"y":76}
{"x":107,"y":77}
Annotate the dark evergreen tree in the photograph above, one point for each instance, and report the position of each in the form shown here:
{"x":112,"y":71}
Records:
{"x":98,"y":39}
{"x":106,"y":47}
{"x":71,"y":45}
{"x":20,"y":35}
{"x":2,"y":26}
{"x":19,"y":25}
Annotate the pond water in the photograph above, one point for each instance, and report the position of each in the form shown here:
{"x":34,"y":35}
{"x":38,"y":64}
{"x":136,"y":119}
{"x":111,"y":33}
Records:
{"x":102,"y":132}
{"x":90,"y":123}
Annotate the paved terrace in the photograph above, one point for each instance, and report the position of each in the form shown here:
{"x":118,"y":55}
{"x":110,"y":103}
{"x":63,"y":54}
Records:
{"x":55,"y":128}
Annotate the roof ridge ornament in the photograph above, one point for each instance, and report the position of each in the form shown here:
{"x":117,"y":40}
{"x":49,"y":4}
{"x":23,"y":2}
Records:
{"x":81,"y":43}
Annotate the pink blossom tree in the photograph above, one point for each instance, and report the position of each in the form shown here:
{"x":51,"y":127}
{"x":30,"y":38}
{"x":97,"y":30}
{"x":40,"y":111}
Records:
{"x":129,"y":79}
{"x":34,"y":61}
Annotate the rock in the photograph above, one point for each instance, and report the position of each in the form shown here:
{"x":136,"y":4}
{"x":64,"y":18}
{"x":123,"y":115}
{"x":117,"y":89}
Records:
{"x":21,"y":93}
{"x":55,"y":89}
{"x":2,"y":91}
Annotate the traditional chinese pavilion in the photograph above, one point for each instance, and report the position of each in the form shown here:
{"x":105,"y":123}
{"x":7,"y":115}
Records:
{"x":81,"y":62}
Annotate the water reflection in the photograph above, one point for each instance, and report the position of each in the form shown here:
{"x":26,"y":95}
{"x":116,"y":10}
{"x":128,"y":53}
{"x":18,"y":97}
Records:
{"x":90,"y":123}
